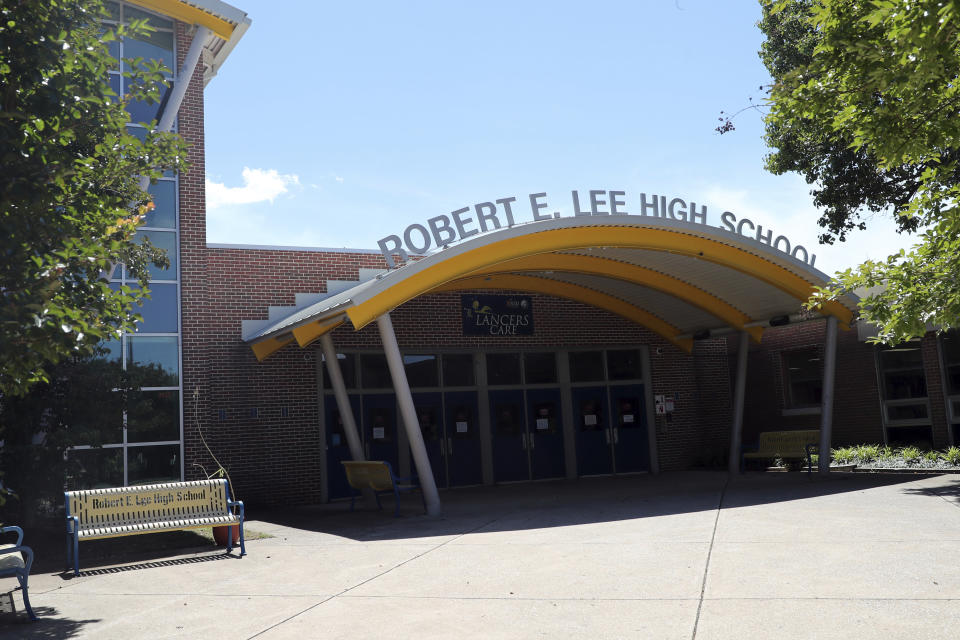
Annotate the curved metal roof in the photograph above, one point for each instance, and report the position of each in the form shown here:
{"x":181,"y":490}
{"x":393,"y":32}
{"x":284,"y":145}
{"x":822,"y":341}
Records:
{"x":674,"y":277}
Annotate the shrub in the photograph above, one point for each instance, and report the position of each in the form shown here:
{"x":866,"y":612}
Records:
{"x":843,"y":455}
{"x":952,"y":455}
{"x":931,"y":456}
{"x":910,"y":454}
{"x":867,"y":452}
{"x":885,"y":453}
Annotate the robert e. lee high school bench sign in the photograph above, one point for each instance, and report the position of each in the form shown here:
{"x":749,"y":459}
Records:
{"x":160,"y":498}
{"x":444,"y":229}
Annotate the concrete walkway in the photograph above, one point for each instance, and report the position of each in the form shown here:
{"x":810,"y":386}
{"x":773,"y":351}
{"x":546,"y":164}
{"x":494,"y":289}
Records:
{"x":682,"y":555}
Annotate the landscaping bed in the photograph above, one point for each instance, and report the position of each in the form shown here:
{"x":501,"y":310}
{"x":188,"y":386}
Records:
{"x":873,"y":458}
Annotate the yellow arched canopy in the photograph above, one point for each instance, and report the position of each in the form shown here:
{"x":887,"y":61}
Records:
{"x":477,"y":260}
{"x":752,"y":283}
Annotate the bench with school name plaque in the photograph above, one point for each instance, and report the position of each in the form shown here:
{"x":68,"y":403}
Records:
{"x":95,"y":514}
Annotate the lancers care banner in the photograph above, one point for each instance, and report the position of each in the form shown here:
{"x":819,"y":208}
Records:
{"x":497,"y":315}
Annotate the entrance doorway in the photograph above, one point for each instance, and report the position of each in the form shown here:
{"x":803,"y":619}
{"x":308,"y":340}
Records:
{"x":610,"y":411}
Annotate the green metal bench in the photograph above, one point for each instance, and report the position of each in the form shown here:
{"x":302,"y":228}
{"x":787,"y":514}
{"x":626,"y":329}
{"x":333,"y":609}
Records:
{"x":785,"y":445}
{"x":95,"y":514}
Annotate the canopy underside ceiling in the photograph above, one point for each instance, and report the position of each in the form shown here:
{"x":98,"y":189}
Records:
{"x":676,"y":279}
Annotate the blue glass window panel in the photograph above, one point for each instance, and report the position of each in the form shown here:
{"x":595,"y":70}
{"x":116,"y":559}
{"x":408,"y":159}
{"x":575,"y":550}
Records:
{"x":160,"y":311}
{"x":139,"y":132}
{"x":113,"y":8}
{"x":95,"y":468}
{"x":132,"y":13}
{"x":150,"y":46}
{"x":114,"y":81}
{"x":112,"y":351}
{"x":143,"y":111}
{"x":164,"y":213}
{"x":153,"y":361}
{"x":153,"y":416}
{"x":149,"y":465}
{"x":166,"y":240}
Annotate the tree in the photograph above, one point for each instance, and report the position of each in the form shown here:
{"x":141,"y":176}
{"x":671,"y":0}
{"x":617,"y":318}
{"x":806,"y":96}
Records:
{"x":70,"y":200}
{"x":865,"y":104}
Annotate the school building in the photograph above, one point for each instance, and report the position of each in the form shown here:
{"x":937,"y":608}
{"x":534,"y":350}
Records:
{"x":500,"y":342}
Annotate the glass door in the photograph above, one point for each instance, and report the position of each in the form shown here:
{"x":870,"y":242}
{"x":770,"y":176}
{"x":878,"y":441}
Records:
{"x":510,"y":461}
{"x":463,"y":438}
{"x":337,"y":448}
{"x":380,"y":428}
{"x":630,"y":444}
{"x":429,"y":410}
{"x":594,"y":442}
{"x":545,"y":433}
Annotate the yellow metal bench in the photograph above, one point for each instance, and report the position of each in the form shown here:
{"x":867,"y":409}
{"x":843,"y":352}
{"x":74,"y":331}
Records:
{"x":378,"y":476}
{"x":94,"y":514}
{"x":785,"y":445}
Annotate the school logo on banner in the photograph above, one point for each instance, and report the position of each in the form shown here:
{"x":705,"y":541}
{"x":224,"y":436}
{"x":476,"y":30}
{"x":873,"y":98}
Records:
{"x":497,"y":315}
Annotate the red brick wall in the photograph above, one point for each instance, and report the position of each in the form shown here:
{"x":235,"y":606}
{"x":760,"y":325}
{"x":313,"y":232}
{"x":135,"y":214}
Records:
{"x":194,"y":292}
{"x":276,"y":459}
{"x":856,"y":413}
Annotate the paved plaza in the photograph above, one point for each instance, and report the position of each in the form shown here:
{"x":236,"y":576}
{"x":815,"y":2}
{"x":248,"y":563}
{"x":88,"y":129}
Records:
{"x":680,"y":555}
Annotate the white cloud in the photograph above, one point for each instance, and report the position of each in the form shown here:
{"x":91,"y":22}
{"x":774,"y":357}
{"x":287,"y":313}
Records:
{"x":339,"y":179}
{"x":259,"y":185}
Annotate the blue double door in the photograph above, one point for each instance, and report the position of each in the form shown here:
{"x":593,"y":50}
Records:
{"x":611,"y":429}
{"x":451,"y":432}
{"x":376,"y":417}
{"x":527,"y":434}
{"x":448,"y":422}
{"x":337,"y":448}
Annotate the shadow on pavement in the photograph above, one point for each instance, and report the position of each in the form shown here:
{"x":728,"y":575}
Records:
{"x":68,"y":575}
{"x":48,"y":626}
{"x":574,"y":502}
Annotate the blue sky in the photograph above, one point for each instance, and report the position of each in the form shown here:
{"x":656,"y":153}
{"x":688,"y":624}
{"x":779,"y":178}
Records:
{"x":334,"y":124}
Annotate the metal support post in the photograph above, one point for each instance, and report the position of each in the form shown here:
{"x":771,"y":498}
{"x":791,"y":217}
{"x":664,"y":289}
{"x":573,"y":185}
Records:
{"x":410,"y":422}
{"x":179,"y":89}
{"x":826,"y":406}
{"x":343,"y":400}
{"x":739,"y":393}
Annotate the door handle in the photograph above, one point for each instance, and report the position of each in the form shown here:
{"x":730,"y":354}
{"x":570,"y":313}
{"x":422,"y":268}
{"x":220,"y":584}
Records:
{"x":530,"y":436}
{"x":450,"y":446}
{"x":606,"y":435}
{"x":616,"y":435}
{"x":523,"y":441}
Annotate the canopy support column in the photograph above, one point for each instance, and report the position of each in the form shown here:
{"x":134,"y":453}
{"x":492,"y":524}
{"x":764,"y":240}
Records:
{"x":410,"y":422}
{"x":739,"y":393}
{"x":343,"y":400}
{"x":826,"y":406}
{"x":179,"y":89}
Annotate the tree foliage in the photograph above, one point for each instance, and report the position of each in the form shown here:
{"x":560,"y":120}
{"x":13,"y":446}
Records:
{"x":865,"y":104}
{"x":70,"y":200}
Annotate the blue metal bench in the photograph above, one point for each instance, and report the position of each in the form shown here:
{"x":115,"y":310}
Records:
{"x":15,"y":561}
{"x":378,"y":476}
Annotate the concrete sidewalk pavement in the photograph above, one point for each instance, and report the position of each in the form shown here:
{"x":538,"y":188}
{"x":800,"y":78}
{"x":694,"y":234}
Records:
{"x":681,"y":555}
